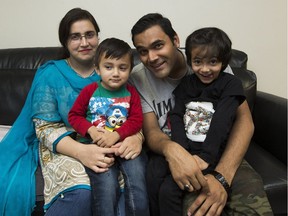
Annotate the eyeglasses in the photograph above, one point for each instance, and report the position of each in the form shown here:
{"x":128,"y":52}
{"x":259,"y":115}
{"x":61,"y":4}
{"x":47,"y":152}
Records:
{"x":77,"y":37}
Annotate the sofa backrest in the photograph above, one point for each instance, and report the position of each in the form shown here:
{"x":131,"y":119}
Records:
{"x":18,"y":67}
{"x":17,"y":70}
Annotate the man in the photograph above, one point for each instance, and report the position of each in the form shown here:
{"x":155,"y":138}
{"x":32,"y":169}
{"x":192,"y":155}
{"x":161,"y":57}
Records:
{"x":163,"y":67}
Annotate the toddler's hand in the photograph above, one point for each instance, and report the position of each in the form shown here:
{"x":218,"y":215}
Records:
{"x":107,"y":138}
{"x":95,"y":134}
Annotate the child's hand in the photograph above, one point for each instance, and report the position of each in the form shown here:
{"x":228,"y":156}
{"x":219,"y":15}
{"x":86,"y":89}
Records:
{"x":95,"y":134}
{"x":201,"y":163}
{"x":107,"y":138}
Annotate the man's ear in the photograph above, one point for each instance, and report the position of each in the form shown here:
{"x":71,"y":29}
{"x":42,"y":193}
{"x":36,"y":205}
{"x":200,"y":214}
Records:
{"x":176,"y":41}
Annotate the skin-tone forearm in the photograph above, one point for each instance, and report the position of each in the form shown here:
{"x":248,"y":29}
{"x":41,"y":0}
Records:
{"x":156,"y":140}
{"x":238,"y":143}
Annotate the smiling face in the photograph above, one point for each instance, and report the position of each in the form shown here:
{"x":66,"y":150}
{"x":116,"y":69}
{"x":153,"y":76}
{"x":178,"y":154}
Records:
{"x":205,"y":64}
{"x":157,"y":52}
{"x":82,"y":50}
{"x":114,"y":72}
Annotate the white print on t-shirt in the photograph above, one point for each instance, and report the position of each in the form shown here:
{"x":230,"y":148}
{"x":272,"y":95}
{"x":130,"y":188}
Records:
{"x":197,"y":120}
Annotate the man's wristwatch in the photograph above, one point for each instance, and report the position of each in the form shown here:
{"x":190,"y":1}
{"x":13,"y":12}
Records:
{"x":222,"y":180}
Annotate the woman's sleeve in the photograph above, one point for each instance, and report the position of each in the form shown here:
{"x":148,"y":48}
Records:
{"x":50,"y":133}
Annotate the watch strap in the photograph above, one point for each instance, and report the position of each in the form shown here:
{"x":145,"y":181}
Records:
{"x":222,"y":181}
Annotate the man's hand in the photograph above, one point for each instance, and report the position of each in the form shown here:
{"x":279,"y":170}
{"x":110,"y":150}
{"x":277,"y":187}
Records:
{"x":201,"y":163}
{"x":211,"y":200}
{"x":184,"y":168}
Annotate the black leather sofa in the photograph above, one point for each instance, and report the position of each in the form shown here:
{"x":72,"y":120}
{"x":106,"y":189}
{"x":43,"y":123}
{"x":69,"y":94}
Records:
{"x":268,"y":150}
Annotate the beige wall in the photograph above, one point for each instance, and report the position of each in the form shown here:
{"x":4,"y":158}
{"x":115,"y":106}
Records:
{"x":258,"y":27}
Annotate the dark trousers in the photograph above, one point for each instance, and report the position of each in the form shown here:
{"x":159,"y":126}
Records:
{"x":165,"y":197}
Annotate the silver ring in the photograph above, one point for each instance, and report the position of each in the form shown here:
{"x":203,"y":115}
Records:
{"x":187,"y":187}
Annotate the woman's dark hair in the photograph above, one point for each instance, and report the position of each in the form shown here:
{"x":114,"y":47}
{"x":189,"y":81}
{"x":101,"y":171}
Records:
{"x":71,"y":17}
{"x":213,"y":38}
{"x":150,"y":20}
{"x":113,"y":48}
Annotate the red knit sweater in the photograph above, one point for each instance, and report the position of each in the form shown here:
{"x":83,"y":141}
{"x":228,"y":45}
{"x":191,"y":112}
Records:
{"x":78,"y":113}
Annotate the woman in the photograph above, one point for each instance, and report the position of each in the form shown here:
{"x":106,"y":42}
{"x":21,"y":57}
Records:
{"x":43,"y":127}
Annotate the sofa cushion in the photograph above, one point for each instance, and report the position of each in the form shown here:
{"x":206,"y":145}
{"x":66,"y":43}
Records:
{"x":3,"y":130}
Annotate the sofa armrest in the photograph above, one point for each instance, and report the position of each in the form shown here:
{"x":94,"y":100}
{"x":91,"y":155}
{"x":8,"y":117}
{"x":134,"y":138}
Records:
{"x":267,"y":153}
{"x":270,"y":120}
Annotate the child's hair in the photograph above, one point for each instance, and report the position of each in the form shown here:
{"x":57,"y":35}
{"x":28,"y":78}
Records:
{"x":113,"y":48}
{"x":213,"y":38}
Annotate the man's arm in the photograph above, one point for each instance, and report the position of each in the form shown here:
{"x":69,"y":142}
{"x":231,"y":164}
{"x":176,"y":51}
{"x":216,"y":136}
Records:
{"x":238,"y":143}
{"x":182,"y":165}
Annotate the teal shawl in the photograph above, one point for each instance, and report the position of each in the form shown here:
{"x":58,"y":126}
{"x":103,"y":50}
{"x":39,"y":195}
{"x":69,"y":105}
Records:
{"x":52,"y":94}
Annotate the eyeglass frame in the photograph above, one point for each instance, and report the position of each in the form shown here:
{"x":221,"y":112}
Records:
{"x":77,"y":37}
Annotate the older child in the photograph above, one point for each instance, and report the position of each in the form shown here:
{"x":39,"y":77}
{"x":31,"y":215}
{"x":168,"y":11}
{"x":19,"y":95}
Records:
{"x":205,"y":108}
{"x":105,"y":113}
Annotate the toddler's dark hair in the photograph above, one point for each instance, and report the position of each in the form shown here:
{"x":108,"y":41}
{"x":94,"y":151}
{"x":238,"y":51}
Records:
{"x":213,"y":38}
{"x":113,"y":48}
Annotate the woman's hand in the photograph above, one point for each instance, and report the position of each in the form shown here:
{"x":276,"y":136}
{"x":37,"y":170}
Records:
{"x":96,"y":158}
{"x":90,"y":155}
{"x":129,"y":148}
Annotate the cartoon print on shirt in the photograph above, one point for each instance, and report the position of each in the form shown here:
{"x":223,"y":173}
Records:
{"x":102,"y":108}
{"x":115,"y":117}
